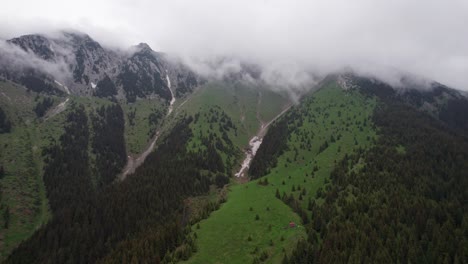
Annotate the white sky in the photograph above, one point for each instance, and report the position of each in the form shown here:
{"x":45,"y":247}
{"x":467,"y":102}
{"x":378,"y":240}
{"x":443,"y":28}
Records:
{"x":423,"y":37}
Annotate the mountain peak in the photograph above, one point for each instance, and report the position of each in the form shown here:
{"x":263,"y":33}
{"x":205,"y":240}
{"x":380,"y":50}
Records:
{"x":35,"y":43}
{"x":76,"y":35}
{"x":143,"y":47}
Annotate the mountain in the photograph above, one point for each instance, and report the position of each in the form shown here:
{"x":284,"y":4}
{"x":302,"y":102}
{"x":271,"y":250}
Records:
{"x":370,"y":175}
{"x":129,"y":156}
{"x":441,"y":102}
{"x":84,"y":67}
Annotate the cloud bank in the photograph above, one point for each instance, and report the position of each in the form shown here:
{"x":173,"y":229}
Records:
{"x":427,"y":38}
{"x":15,"y":59}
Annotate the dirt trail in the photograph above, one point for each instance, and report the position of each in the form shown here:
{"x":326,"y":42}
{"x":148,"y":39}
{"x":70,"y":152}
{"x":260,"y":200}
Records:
{"x":186,"y":100}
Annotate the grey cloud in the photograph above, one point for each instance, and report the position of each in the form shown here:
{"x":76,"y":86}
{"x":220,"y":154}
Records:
{"x":14,"y":58}
{"x":288,"y":39}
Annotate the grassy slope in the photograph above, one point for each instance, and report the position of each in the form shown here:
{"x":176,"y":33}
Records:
{"x":138,"y":135}
{"x":240,"y":103}
{"x":23,"y":191}
{"x":222,"y":237}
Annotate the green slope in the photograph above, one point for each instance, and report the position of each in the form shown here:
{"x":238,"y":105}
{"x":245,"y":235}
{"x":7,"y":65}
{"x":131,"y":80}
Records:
{"x":241,"y":102}
{"x":331,"y":111}
{"x":227,"y":115}
{"x":22,"y":189}
{"x":141,"y":120}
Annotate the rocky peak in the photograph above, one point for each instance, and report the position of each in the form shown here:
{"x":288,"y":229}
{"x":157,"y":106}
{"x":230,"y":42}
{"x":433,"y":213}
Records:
{"x":90,"y":69}
{"x":143,"y":47}
{"x":37,"y":44}
{"x":76,"y":38}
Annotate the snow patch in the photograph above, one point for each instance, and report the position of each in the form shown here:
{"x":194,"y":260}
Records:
{"x":93,"y":85}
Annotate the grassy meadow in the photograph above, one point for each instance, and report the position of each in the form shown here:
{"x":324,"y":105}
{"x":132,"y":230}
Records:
{"x":302,"y":171}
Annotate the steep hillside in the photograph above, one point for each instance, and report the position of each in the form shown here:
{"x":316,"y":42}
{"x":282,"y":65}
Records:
{"x":404,"y":203}
{"x":25,"y":172}
{"x":23,"y":202}
{"x":441,"y":102}
{"x":227,"y":115}
{"x":253,"y":225}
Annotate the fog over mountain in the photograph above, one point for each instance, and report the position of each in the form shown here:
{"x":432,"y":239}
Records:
{"x":288,"y":39}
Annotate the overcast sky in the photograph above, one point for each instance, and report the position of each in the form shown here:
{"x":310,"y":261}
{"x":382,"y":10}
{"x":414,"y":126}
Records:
{"x":423,"y":37}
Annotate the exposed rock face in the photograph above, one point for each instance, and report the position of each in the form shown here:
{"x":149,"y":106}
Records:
{"x":36,"y":44}
{"x":142,"y":74}
{"x":90,"y":69}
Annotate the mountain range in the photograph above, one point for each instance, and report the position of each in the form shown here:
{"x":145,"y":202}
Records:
{"x":86,"y":68}
{"x":133,"y":156}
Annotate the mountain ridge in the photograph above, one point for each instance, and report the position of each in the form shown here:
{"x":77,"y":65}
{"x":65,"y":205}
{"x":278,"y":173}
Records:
{"x":139,"y":72}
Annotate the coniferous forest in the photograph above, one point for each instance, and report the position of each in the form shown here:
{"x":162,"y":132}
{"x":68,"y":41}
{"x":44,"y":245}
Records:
{"x":274,"y":144}
{"x":404,"y":203}
{"x":139,"y":217}
{"x":5,"y":123}
{"x":108,"y":142}
{"x":407,"y":204}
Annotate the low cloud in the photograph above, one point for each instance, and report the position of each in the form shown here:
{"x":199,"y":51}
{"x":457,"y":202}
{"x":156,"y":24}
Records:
{"x":288,"y":39}
{"x":16,"y":60}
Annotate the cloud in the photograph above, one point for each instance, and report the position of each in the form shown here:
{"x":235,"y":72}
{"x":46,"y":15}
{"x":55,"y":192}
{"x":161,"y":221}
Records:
{"x":15,"y":59}
{"x":427,"y":38}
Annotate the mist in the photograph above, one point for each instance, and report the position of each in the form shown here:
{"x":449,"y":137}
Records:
{"x":290,"y":40}
{"x":13,"y":58}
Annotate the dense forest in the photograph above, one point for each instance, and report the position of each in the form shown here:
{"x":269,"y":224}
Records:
{"x":108,"y":142}
{"x":5,"y":124}
{"x":273,"y":145}
{"x":455,"y":113}
{"x":137,"y":219}
{"x":105,"y":88}
{"x":39,"y":85}
{"x":66,"y":173}
{"x":407,"y":204}
{"x":213,"y":139}
{"x":42,"y":106}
